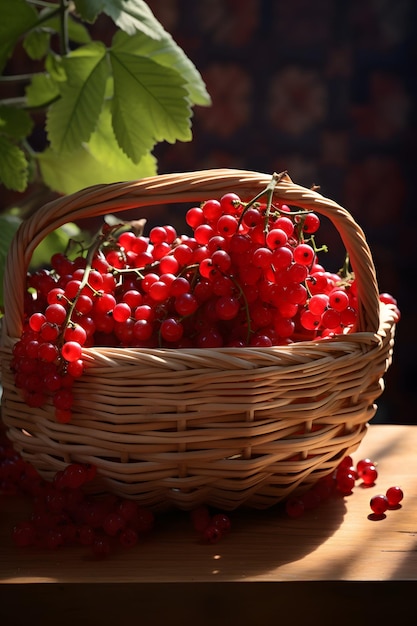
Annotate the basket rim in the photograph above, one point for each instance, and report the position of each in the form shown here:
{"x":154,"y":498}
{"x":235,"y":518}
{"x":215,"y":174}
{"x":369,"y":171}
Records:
{"x":176,"y":188}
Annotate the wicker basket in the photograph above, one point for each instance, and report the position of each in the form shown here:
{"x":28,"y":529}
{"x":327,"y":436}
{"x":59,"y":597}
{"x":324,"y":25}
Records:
{"x":226,"y":427}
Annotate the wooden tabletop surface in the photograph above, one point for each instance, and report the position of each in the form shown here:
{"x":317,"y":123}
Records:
{"x":329,"y":552}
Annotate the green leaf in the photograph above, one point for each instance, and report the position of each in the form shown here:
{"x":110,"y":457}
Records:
{"x":42,"y":91}
{"x":55,"y":67}
{"x":132,"y":16}
{"x":13,"y":166}
{"x":16,"y":18}
{"x":77,"y":32}
{"x":72,"y":119}
{"x":129,"y":15}
{"x":150,"y":104}
{"x":15,"y":123}
{"x":88,"y":10}
{"x":8,"y":227}
{"x":167,"y":53}
{"x":103,"y":146}
{"x":36,"y":43}
{"x":80,"y":169}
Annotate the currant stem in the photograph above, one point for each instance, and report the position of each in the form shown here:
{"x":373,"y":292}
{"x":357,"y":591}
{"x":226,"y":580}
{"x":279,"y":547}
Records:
{"x":92,"y":250}
{"x":345,"y":269}
{"x":322,"y":248}
{"x":269,"y":189}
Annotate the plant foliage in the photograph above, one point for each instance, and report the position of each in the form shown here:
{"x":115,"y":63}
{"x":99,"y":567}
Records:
{"x":125,"y":97}
{"x":101,"y":108}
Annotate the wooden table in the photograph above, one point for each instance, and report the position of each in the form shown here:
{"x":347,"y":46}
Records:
{"x":334,"y":565}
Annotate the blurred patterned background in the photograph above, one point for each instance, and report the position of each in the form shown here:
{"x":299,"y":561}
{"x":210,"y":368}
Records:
{"x":325,"y":90}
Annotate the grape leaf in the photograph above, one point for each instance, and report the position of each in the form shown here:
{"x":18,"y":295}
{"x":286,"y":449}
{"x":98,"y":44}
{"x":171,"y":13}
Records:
{"x":16,"y":18}
{"x":36,"y":43}
{"x":129,"y":15}
{"x":15,"y":123}
{"x":72,"y":172}
{"x":13,"y":166}
{"x":150,"y":104}
{"x":41,"y":91}
{"x":167,"y":53}
{"x":72,"y":119}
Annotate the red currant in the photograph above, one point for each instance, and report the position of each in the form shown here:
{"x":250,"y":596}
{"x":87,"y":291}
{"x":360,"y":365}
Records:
{"x":368,"y":474}
{"x":379,"y":504}
{"x":394,"y":496}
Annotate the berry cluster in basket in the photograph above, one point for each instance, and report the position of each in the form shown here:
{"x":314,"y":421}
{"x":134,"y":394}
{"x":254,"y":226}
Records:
{"x":248,"y":275}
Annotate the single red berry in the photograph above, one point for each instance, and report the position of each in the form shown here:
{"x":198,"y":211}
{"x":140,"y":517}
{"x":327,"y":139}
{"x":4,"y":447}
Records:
{"x":222,"y":522}
{"x":71,"y":351}
{"x":36,"y":321}
{"x":276,"y":238}
{"x":394,"y":496}
{"x":311,"y":223}
{"x":74,"y":475}
{"x":171,"y":329}
{"x":113,"y":524}
{"x":303,"y":254}
{"x":128,"y":509}
{"x":212,"y":534}
{"x":379,"y":504}
{"x":369,"y":475}
{"x":360,"y":466}
{"x":345,"y":481}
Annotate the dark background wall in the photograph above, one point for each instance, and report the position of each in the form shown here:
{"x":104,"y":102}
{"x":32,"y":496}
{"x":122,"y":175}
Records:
{"x":325,"y":90}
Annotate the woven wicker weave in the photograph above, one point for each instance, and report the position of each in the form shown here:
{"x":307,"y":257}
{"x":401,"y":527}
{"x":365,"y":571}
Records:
{"x":227,"y":427}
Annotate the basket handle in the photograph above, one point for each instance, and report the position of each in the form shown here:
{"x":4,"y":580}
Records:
{"x":176,"y":188}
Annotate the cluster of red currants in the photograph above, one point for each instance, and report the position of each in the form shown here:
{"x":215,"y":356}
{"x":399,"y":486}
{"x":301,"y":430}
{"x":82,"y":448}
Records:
{"x":64,"y":515}
{"x":210,"y":527}
{"x":342,"y":482}
{"x":247,"y":276}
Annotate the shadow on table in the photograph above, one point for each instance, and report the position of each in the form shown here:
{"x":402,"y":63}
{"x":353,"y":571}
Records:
{"x":258,"y":542}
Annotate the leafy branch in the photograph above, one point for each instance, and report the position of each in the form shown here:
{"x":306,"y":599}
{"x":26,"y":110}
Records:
{"x":101,"y":108}
{"x":126,"y":97}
